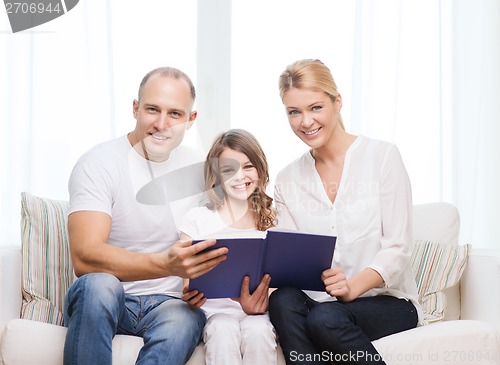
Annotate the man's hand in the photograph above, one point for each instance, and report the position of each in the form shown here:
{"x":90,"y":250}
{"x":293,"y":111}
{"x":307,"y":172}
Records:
{"x":183,"y":258}
{"x":258,"y":301}
{"x":89,"y":233}
{"x":193,"y":297}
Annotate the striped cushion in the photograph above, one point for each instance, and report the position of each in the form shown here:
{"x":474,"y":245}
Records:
{"x":436,"y":267}
{"x":47,"y":270}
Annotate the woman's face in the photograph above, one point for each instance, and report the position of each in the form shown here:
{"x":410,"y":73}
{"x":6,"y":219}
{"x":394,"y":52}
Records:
{"x":312,"y":115}
{"x":239,"y":175}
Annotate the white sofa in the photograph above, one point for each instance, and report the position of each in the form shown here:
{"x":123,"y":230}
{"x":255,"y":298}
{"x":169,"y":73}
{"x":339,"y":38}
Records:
{"x":468,"y":335}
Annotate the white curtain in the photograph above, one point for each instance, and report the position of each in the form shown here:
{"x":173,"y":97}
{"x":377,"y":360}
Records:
{"x":69,"y":84}
{"x":420,"y":73}
{"x":476,"y":120}
{"x":386,"y":57}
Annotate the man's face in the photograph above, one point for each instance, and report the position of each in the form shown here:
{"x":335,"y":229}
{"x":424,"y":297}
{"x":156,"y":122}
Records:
{"x":163,"y":115}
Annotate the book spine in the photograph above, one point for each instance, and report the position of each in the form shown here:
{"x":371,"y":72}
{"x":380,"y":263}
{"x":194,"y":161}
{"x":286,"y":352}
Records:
{"x":262,"y":256}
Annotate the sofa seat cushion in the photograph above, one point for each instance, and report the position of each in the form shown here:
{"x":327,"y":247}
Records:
{"x":449,"y":342}
{"x":30,"y":342}
{"x":443,"y":343}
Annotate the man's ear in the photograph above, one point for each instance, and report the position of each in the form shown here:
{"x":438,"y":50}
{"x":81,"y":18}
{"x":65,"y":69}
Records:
{"x":135,"y":108}
{"x":192,"y":118}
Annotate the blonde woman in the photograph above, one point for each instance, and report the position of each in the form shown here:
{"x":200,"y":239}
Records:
{"x":357,"y":189}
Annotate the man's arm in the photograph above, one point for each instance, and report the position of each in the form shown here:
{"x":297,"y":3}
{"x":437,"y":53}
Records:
{"x":89,"y":233}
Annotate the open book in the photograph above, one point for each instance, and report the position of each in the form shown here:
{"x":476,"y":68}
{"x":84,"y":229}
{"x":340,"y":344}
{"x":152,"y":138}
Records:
{"x":290,"y":258}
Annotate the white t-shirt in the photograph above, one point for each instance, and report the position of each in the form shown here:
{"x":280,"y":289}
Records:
{"x":371,"y":215}
{"x":108,"y":177}
{"x":203,"y":223}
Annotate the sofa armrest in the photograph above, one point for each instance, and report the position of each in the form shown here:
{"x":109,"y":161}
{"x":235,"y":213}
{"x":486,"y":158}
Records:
{"x":10,"y":285}
{"x":480,"y":287}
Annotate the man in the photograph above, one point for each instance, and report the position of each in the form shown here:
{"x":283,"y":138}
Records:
{"x":124,"y":252}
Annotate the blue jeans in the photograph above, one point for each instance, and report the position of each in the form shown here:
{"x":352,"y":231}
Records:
{"x":335,"y":332}
{"x":97,"y":308}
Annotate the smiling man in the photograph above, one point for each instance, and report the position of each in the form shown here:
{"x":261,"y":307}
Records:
{"x":163,"y":114}
{"x":125,"y":253}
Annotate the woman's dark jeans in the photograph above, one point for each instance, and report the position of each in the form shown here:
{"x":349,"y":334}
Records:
{"x":336,"y":332}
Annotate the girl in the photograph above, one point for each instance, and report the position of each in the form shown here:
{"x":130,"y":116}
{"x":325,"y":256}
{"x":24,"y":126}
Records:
{"x":238,"y":331}
{"x":361,"y":193}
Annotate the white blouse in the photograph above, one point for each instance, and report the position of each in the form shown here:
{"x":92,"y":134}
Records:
{"x":371,"y":215}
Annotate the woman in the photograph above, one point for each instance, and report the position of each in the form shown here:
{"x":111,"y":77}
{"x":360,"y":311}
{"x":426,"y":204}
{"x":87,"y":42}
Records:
{"x":357,"y":189}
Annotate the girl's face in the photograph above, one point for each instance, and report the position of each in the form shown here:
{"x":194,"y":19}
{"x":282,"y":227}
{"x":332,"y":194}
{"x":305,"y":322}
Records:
{"x":240,"y":177}
{"x":312,"y":115}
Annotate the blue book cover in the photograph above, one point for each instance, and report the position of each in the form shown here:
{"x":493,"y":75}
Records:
{"x":290,"y":258}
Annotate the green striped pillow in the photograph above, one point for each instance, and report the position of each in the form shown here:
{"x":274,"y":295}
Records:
{"x":47,"y":270}
{"x":436,"y":267}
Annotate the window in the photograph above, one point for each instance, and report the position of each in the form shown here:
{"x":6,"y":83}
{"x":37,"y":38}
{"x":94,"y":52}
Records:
{"x":69,"y":84}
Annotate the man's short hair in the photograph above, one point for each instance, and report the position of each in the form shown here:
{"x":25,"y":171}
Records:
{"x":168,"y":72}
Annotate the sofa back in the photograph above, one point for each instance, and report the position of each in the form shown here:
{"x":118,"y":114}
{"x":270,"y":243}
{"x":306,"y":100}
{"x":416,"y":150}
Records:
{"x":47,"y":270}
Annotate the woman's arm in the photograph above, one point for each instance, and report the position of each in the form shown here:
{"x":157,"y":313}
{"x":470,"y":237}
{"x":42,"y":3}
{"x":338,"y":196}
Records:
{"x":346,"y":290}
{"x":396,"y":219}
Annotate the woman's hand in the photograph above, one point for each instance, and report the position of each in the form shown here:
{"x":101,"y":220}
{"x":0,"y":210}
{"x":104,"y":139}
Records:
{"x":258,"y":301}
{"x":336,"y":284}
{"x":346,"y":290}
{"x":193,"y":297}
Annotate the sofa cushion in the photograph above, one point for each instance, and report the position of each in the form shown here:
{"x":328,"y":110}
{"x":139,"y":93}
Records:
{"x":45,"y":344}
{"x":439,"y":222}
{"x":436,"y":267}
{"x":47,"y":270}
{"x":443,"y":343}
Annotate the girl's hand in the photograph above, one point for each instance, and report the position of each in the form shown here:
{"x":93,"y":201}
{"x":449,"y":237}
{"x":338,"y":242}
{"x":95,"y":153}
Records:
{"x":336,"y":284}
{"x":193,"y":297}
{"x":258,"y":301}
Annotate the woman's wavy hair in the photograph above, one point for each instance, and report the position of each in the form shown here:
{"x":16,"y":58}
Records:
{"x":244,"y":142}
